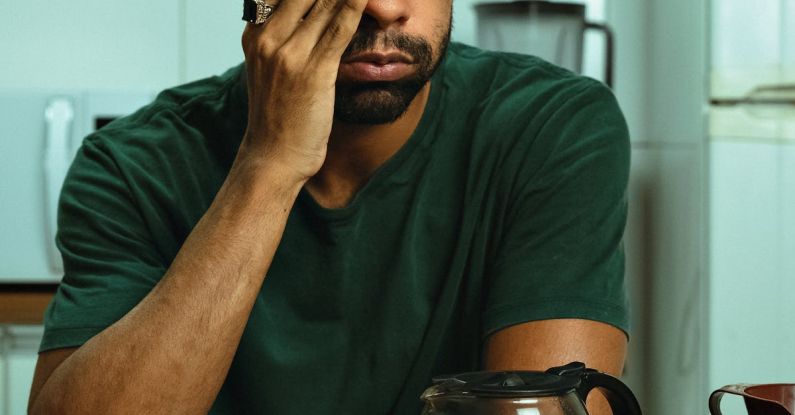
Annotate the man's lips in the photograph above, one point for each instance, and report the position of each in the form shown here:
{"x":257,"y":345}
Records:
{"x":376,"y":66}
{"x":380,"y":58}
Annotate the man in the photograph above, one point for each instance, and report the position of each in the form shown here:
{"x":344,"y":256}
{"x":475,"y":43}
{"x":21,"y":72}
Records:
{"x":358,"y":209}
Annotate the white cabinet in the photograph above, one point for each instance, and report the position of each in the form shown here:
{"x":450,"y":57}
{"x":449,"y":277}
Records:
{"x":18,"y":355}
{"x":89,"y":44}
{"x":788,"y":34}
{"x":758,"y":42}
{"x":753,"y":44}
{"x":752,"y":194}
{"x":753,"y":266}
{"x":3,"y":376}
{"x":752,"y":278}
{"x":787,"y":215}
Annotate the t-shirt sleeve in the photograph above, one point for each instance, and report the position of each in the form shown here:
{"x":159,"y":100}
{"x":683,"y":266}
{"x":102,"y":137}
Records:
{"x":110,"y":263}
{"x":561,"y":253}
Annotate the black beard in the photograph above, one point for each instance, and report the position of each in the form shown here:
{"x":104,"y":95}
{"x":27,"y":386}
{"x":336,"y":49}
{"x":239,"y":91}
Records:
{"x":373,"y":103}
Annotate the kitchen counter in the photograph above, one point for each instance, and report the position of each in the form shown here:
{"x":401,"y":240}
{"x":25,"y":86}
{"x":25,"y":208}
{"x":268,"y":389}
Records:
{"x":24,"y":303}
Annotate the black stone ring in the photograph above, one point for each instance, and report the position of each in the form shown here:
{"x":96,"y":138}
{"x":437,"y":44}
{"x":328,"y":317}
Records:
{"x":257,"y":11}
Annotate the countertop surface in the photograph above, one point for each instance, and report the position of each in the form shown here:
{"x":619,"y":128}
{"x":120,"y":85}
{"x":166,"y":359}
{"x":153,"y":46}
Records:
{"x":24,"y":303}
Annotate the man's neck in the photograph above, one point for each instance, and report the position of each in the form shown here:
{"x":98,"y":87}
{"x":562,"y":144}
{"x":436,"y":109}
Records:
{"x":355,"y":152}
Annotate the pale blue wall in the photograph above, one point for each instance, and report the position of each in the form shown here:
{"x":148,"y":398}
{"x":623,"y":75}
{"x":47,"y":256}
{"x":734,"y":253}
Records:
{"x":464,"y":21}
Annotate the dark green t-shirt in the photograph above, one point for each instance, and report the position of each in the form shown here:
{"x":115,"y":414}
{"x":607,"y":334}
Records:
{"x":506,"y":205}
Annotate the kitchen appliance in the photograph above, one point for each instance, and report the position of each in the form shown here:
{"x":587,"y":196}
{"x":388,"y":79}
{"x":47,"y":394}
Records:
{"x":40,"y":132}
{"x":558,"y":391}
{"x":774,"y":399}
{"x":552,"y":31}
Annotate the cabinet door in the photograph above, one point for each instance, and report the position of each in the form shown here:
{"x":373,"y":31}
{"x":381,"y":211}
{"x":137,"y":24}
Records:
{"x":788,"y":241}
{"x":3,"y":375}
{"x":212,"y":37}
{"x":752,"y":263}
{"x":750,"y":42}
{"x":22,"y":344}
{"x":89,"y":44}
{"x":788,"y":36}
{"x":746,"y":32}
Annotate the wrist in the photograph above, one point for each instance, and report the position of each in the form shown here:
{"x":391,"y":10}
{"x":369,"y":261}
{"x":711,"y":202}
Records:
{"x":294,"y":163}
{"x":263,"y":170}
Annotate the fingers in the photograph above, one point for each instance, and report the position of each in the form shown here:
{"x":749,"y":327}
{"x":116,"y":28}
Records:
{"x":286,"y":18}
{"x":329,"y":27}
{"x":340,"y":31}
{"x":303,"y":30}
{"x":270,"y":36}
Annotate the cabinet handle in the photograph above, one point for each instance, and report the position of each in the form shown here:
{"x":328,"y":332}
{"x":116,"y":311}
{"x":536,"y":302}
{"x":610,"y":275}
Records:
{"x":58,"y":116}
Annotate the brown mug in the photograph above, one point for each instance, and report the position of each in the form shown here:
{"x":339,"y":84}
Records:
{"x":772,"y":399}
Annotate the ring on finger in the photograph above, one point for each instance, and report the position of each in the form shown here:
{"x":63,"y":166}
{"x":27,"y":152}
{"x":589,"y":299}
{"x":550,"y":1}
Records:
{"x":257,"y":11}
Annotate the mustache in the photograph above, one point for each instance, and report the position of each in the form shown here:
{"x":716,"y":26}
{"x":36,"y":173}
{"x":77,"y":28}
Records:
{"x":367,"y":40}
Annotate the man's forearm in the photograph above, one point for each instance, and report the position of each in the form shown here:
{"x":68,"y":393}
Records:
{"x":171,"y":353}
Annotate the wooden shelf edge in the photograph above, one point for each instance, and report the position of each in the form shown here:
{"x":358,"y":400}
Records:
{"x":25,"y":303}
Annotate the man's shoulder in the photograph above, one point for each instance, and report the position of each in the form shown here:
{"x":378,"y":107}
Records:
{"x":188,"y":133}
{"x":176,"y":112}
{"x":497,"y":87}
{"x":474,"y":55}
{"x":507,"y":94}
{"x":207,"y":91}
{"x":487,"y":72}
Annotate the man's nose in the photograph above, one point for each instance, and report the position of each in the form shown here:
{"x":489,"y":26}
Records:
{"x":386,"y":14}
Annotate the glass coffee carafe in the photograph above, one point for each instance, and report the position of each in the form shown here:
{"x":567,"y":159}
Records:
{"x":558,"y":391}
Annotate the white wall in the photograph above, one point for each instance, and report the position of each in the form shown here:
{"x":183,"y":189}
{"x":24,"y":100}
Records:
{"x":88,"y":44}
{"x":132,"y":45}
{"x":154,"y":44}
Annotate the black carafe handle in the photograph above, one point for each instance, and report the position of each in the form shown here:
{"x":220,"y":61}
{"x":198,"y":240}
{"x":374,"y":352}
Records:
{"x":620,"y":398}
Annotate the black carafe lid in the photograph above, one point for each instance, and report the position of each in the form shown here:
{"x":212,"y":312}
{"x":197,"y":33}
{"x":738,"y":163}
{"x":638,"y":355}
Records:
{"x":525,"y":384}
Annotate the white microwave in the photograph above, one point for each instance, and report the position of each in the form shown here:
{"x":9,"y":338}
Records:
{"x":40,"y":133}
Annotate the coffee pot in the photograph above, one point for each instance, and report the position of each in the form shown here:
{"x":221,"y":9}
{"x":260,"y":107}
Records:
{"x":558,"y":391}
{"x":771,"y":399}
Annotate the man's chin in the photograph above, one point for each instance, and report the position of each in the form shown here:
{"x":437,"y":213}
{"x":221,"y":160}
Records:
{"x":374,"y":103}
{"x":370,"y":112}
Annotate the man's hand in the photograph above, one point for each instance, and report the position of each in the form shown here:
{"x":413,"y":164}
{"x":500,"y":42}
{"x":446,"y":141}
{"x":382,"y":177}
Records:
{"x":292,"y":63}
